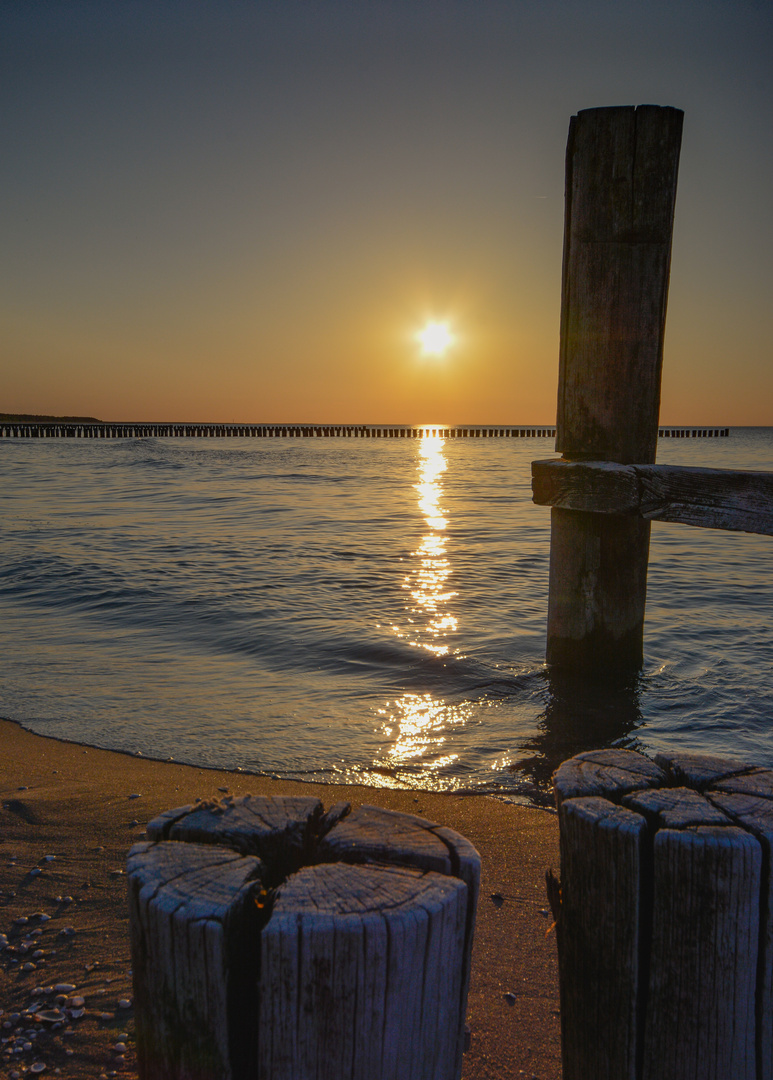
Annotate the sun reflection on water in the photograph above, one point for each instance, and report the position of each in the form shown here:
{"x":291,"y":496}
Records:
{"x":427,"y":580}
{"x":416,"y":725}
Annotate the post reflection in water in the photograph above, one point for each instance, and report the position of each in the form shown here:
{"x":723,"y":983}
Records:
{"x":416,"y":724}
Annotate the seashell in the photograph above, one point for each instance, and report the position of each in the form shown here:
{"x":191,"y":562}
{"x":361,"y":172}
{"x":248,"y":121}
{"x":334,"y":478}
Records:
{"x":135,"y":795}
{"x":120,"y":1048}
{"x":64,"y":988}
{"x":76,"y":1014}
{"x":125,"y":1003}
{"x":35,"y":871}
{"x":50,"y":1016}
{"x":29,"y":966}
{"x":37,"y":1067}
{"x":77,"y":1002}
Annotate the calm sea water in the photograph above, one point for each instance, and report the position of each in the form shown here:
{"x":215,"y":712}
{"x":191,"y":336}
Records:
{"x":359,"y":611}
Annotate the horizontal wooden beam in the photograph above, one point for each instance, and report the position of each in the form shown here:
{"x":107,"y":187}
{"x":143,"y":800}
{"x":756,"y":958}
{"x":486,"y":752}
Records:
{"x":709,"y":498}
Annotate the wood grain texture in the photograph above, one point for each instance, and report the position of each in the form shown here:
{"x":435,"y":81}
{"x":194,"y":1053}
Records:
{"x":708,"y":498}
{"x":750,"y":782}
{"x":755,"y":814}
{"x":700,"y":771}
{"x":700,"y":1022}
{"x":304,"y":963}
{"x":697,"y":883}
{"x":611,"y":773}
{"x":360,"y":974}
{"x":597,"y":592}
{"x":188,"y":905}
{"x":265,"y":826}
{"x":675,"y":808}
{"x":371,"y":834}
{"x":621,"y":171}
{"x":598,"y":938}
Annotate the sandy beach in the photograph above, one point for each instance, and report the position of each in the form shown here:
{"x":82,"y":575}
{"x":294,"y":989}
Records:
{"x":86,"y":807}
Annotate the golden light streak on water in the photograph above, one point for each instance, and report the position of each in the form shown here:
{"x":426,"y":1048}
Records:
{"x":416,"y":725}
{"x":427,"y":581}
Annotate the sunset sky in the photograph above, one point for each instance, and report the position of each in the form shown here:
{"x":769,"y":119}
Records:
{"x":247,"y":210}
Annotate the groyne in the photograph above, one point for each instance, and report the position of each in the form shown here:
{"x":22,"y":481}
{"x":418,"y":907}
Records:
{"x":61,"y":430}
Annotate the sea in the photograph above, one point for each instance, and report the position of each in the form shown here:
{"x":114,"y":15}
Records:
{"x":341,"y":610}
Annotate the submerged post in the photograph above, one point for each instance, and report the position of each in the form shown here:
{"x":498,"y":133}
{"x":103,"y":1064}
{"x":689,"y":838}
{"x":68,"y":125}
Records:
{"x":621,"y":170}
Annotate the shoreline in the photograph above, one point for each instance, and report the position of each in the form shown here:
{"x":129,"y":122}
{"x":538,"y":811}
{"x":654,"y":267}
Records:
{"x":531,"y":795}
{"x":87,"y":806}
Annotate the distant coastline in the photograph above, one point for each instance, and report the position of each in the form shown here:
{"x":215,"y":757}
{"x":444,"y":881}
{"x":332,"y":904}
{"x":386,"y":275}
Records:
{"x":38,"y":418}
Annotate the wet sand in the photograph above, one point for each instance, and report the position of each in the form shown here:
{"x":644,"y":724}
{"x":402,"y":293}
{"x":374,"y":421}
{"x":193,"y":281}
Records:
{"x":86,"y":807}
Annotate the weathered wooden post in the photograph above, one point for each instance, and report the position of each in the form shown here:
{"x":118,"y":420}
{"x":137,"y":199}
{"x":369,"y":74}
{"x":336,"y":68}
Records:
{"x":271,"y":941}
{"x":621,"y":170}
{"x":665,"y":917}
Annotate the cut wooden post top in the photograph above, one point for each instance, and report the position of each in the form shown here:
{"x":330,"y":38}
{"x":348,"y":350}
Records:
{"x":677,"y":790}
{"x":664,"y":916}
{"x":294,"y":832}
{"x":272,"y":938}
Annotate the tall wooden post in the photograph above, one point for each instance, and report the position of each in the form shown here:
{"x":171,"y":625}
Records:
{"x":621,"y":169}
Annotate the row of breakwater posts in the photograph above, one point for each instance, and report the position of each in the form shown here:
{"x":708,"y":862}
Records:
{"x":29,"y":430}
{"x":664,"y":908}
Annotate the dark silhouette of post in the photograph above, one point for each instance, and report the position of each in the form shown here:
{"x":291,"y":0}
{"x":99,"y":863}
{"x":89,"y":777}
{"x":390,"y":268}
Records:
{"x":621,"y":171}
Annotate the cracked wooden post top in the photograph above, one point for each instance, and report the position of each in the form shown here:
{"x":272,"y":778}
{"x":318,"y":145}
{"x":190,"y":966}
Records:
{"x":665,"y":917}
{"x":273,"y":940}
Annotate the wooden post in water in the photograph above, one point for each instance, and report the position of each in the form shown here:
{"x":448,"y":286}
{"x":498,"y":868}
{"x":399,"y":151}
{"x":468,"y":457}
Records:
{"x":621,"y":170}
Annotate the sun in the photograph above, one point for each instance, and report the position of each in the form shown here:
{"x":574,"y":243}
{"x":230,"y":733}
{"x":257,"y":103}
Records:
{"x":435,"y":338}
